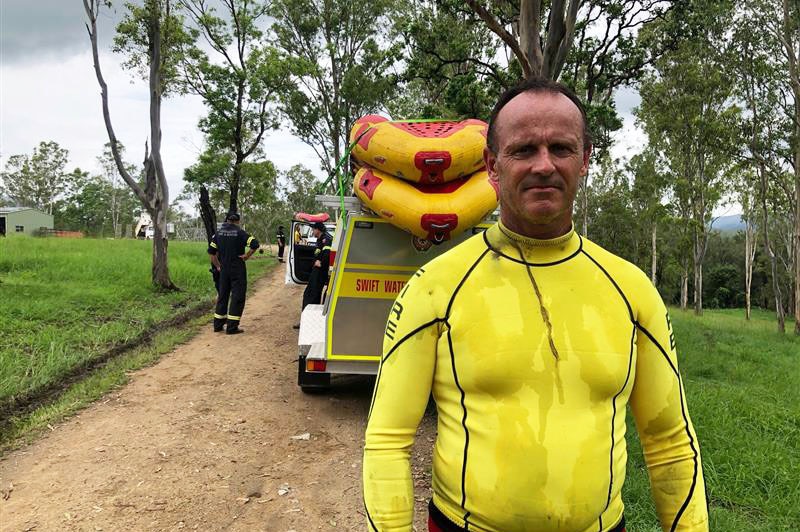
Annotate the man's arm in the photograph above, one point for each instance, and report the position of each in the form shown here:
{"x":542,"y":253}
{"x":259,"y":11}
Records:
{"x":659,"y":405}
{"x":324,"y":252}
{"x":252,"y":245}
{"x":398,"y":404}
{"x":212,"y":253}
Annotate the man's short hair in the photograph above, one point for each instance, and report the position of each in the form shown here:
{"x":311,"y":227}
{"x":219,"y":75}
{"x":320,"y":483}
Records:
{"x":232,"y":217}
{"x":535,"y":85}
{"x":319,"y":225}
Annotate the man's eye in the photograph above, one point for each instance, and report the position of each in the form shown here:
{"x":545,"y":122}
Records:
{"x":561,"y":149}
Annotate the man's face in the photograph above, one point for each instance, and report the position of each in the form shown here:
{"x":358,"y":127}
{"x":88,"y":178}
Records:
{"x":316,"y":232}
{"x":539,"y":162}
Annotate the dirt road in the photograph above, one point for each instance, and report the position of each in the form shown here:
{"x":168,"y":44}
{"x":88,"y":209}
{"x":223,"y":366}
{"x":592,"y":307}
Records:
{"x":204,"y":441}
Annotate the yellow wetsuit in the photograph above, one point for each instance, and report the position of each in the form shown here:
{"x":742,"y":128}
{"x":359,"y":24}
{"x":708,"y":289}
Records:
{"x":532,"y":349}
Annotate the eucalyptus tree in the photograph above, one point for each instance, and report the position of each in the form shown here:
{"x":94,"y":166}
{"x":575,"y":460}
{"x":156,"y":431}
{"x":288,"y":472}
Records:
{"x":688,"y":114}
{"x":239,"y":78}
{"x":340,"y":67}
{"x":36,"y":180}
{"x":789,"y":36}
{"x":150,"y":35}
{"x":760,"y":66}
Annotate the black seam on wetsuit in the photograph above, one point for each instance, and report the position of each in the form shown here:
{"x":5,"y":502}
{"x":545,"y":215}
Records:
{"x":369,"y":517}
{"x":686,"y":425}
{"x":380,"y":367}
{"x":466,"y":430}
{"x":621,"y":293}
{"x":534,"y":264}
{"x":613,"y":419}
{"x":452,"y":358}
{"x":458,"y":385}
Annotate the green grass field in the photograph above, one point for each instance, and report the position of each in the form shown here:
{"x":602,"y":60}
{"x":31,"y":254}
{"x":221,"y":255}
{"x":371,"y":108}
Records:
{"x":742,"y":380}
{"x":66,"y":301}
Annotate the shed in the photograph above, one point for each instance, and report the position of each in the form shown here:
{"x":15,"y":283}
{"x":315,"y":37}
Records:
{"x":25,"y":220}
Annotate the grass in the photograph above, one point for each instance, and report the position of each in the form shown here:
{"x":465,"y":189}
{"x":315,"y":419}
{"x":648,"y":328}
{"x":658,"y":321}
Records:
{"x":67,"y":302}
{"x":742,"y":381}
{"x":24,"y":429}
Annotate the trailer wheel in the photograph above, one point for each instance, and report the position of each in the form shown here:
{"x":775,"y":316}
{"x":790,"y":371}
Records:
{"x":311,"y":382}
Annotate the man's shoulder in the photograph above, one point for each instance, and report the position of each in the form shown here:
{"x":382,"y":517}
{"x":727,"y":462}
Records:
{"x":457,"y":259}
{"x":629,"y":276}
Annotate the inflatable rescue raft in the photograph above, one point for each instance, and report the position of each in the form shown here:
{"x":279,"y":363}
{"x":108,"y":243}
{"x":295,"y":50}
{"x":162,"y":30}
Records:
{"x":425,"y":177}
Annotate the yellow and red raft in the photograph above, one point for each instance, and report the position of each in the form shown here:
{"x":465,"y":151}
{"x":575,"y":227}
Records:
{"x":424,"y":177}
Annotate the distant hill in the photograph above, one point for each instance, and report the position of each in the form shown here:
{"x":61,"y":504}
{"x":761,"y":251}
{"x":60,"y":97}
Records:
{"x":728,"y":224}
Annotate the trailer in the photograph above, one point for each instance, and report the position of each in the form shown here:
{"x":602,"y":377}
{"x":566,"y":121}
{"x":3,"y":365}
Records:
{"x":371,"y":261}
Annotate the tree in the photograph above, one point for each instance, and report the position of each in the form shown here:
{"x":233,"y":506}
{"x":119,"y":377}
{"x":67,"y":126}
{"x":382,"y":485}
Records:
{"x":789,"y":36}
{"x":149,"y":19}
{"x":687,"y":115}
{"x":39,"y":179}
{"x":538,"y":54}
{"x":241,"y":88}
{"x":338,"y":67}
{"x":118,"y":205}
{"x":455,"y":77}
{"x":760,"y":70}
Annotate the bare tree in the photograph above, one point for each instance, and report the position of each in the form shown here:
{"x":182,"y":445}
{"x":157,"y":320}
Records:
{"x":155,"y":194}
{"x":537,"y":56}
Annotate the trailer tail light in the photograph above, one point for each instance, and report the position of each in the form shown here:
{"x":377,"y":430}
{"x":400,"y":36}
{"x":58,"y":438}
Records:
{"x":316,"y":365}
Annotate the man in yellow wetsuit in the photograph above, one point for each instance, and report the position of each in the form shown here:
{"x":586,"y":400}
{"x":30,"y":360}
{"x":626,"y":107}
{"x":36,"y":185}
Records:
{"x":532,"y":340}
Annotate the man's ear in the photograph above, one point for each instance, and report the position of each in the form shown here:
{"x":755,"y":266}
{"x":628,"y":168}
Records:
{"x":587,"y":153}
{"x":490,"y":159}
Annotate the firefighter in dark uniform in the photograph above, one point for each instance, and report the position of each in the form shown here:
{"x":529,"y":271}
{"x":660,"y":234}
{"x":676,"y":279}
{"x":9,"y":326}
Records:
{"x":227,"y":252}
{"x":319,"y":273}
{"x":281,"y":242}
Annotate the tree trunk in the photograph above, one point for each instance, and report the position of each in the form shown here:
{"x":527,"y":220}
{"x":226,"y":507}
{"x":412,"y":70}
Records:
{"x":654,"y":255}
{"x":797,"y":218}
{"x":685,"y":286}
{"x":776,"y":287}
{"x":749,"y":255}
{"x":207,"y":213}
{"x":585,"y":205}
{"x":160,"y":265}
{"x":698,"y":275}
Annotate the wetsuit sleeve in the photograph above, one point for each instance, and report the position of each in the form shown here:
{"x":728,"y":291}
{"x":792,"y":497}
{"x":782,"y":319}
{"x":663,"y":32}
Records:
{"x":659,"y":406}
{"x":401,"y":395}
{"x":213,"y":247}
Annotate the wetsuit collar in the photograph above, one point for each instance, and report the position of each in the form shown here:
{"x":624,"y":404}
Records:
{"x":533,"y":251}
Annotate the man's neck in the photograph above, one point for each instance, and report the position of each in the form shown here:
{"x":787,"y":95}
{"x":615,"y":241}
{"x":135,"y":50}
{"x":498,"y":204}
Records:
{"x":545,"y":231}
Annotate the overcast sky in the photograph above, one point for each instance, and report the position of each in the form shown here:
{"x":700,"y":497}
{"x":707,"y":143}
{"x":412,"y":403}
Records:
{"x":48,"y":91}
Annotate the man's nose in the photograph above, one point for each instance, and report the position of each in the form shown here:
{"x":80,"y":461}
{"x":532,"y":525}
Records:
{"x":541,"y":162}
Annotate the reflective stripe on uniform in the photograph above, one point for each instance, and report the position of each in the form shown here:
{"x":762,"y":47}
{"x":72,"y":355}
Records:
{"x":249,"y":240}
{"x":234,"y":318}
{"x":219,"y":316}
{"x":213,"y":245}
{"x":317,"y":251}
{"x":326,"y":247}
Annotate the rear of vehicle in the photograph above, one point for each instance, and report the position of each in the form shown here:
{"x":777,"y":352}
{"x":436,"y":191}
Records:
{"x":371,"y":262}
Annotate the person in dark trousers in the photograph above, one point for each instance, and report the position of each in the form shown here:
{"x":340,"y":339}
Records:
{"x":281,"y":242}
{"x":228,"y":255}
{"x":319,"y":273}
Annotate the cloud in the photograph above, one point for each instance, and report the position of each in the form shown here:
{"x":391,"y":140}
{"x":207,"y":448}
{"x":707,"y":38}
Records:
{"x":32,"y":30}
{"x":59,"y":100}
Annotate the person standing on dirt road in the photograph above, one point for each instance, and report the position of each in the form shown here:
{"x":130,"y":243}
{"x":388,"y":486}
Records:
{"x":229,"y":248}
{"x":532,"y":340}
{"x":281,"y":236}
{"x":319,"y":272}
